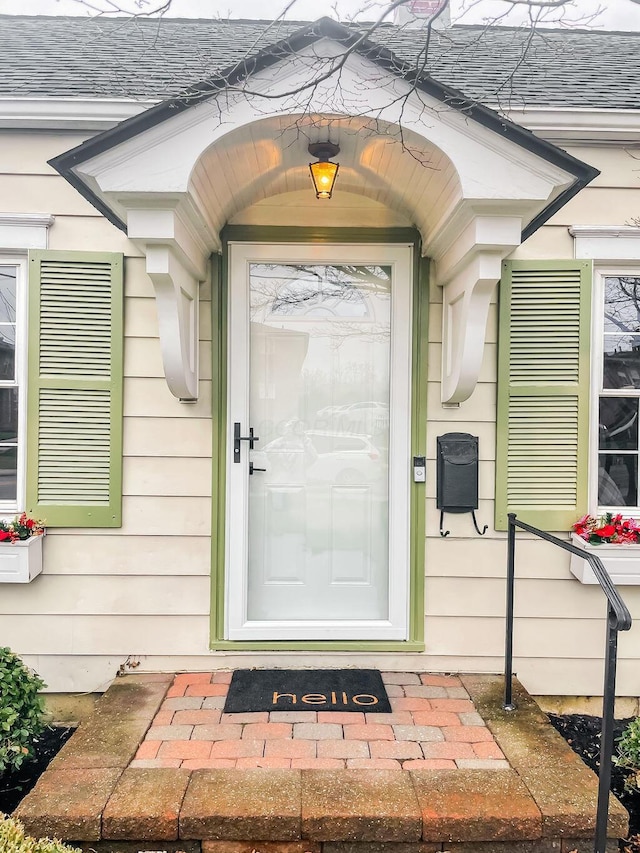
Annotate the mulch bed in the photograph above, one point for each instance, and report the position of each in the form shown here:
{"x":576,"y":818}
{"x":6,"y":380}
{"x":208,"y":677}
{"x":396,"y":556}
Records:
{"x":582,"y":733}
{"x":17,"y":784}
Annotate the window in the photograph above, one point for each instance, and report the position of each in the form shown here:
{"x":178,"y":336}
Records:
{"x":12,"y":382}
{"x":618,"y":383}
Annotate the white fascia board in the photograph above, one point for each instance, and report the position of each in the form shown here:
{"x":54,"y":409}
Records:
{"x":68,"y":113}
{"x":577,"y":124}
{"x":568,"y":124}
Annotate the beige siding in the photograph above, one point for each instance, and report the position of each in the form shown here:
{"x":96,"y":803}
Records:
{"x":135,"y":595}
{"x":112,"y":555}
{"x":27,"y":153}
{"x":618,"y":166}
{"x":560,"y":624}
{"x":141,"y":593}
{"x":601,"y":205}
{"x":144,"y":588}
{"x":42,"y":193}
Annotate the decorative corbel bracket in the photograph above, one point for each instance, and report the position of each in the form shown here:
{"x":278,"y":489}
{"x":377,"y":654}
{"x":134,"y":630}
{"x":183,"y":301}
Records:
{"x":177,"y":304}
{"x":176,"y":264}
{"x":466,"y":299}
{"x":468,"y":272}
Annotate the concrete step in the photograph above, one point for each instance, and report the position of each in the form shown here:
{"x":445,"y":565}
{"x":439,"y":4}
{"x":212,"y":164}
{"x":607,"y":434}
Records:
{"x":544,"y":800}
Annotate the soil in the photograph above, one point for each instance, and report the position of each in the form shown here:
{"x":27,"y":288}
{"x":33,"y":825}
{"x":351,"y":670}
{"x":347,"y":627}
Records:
{"x":582,"y":733}
{"x":17,"y":784}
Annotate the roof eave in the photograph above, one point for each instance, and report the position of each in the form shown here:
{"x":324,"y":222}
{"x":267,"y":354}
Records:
{"x":324,"y":28}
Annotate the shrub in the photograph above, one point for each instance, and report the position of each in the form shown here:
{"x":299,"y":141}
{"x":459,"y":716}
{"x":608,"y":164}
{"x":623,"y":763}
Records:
{"x":629,"y":753}
{"x":21,"y":711}
{"x":13,"y":840}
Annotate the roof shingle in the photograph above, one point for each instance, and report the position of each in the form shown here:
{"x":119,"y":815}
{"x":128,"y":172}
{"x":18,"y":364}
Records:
{"x":157,"y":58}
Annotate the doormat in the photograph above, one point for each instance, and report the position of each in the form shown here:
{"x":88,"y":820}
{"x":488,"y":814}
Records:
{"x":307,"y":690}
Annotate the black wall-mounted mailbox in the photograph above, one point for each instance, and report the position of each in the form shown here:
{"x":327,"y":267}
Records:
{"x":457,"y":475}
{"x":457,"y":489}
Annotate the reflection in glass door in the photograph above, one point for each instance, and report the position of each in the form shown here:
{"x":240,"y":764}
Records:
{"x":317,"y":486}
{"x":319,"y":401}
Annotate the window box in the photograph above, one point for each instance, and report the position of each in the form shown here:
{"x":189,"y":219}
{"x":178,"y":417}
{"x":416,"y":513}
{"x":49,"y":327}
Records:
{"x":621,"y":561}
{"x":21,"y":562}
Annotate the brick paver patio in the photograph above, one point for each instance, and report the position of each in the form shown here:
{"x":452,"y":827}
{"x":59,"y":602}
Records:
{"x":319,"y":784}
{"x":433,"y":725}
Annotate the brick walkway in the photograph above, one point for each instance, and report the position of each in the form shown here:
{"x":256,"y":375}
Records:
{"x":433,"y":725}
{"x":543,"y":801}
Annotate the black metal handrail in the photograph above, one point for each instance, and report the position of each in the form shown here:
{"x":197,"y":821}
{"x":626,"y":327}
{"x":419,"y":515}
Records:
{"x":618,"y":619}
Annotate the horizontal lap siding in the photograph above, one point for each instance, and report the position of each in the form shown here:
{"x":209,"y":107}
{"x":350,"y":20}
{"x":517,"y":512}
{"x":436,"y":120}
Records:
{"x":114,"y":634}
{"x":38,"y":193}
{"x":182,"y":594}
{"x":142,"y":589}
{"x":560,"y":624}
{"x":27,"y":153}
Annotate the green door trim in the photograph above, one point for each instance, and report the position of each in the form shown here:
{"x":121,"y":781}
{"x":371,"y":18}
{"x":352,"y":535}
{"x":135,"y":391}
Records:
{"x":269,"y":234}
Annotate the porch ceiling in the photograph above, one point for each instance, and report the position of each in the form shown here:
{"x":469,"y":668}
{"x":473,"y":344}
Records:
{"x":269,"y":157}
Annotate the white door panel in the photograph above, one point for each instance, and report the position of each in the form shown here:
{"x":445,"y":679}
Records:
{"x":319,"y":358}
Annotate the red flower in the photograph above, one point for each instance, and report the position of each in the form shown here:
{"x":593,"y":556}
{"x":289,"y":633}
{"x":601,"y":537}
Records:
{"x":4,"y":535}
{"x":608,"y":528}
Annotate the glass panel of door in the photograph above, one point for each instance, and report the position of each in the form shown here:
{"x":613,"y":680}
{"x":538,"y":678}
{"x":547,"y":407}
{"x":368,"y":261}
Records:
{"x":319,"y":394}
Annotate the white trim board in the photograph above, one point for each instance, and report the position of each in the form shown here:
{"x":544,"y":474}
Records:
{"x":395,"y":627}
{"x":563,"y":124}
{"x":606,"y":243}
{"x":68,"y":113}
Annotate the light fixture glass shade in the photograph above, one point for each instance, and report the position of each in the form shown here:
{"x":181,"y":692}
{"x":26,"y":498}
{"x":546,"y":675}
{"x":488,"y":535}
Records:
{"x":323,"y":175}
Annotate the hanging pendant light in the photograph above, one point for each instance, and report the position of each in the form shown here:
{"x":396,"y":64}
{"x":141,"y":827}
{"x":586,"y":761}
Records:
{"x":324,"y":172}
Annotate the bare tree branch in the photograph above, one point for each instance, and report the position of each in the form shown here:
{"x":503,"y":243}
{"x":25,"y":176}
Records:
{"x":324,"y":74}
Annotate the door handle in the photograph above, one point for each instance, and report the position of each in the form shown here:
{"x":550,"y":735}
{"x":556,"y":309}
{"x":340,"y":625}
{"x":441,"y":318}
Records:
{"x":237,"y":438}
{"x":252,"y":468}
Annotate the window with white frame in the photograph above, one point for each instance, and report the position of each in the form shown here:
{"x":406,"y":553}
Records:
{"x":12,"y":382}
{"x":618,"y":383}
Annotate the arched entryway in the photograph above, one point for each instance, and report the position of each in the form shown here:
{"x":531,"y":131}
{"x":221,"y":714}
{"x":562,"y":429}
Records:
{"x":413,"y":155}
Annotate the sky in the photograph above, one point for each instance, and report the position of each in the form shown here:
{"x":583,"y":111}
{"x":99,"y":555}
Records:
{"x":597,"y":14}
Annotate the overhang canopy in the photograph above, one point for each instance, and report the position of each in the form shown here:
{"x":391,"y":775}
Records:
{"x":472,"y":183}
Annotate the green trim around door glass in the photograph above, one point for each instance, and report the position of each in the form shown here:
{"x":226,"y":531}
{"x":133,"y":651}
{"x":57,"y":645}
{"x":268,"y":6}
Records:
{"x":269,"y":234}
{"x":219,"y":454}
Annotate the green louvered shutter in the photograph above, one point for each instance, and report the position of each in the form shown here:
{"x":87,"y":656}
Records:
{"x":543,"y":392}
{"x":74,"y":395}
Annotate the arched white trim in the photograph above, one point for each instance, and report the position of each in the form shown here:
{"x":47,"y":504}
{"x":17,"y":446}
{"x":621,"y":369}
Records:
{"x":469,"y":221}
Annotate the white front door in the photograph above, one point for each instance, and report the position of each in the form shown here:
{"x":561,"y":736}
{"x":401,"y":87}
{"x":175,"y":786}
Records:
{"x":318,"y":507}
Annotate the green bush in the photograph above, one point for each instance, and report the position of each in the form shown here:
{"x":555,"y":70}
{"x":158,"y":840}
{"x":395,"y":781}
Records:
{"x":13,"y":840}
{"x":628,"y":756}
{"x":21,"y":710}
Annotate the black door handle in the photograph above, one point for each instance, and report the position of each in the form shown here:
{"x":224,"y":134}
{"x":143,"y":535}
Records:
{"x":237,"y":438}
{"x":252,"y":468}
